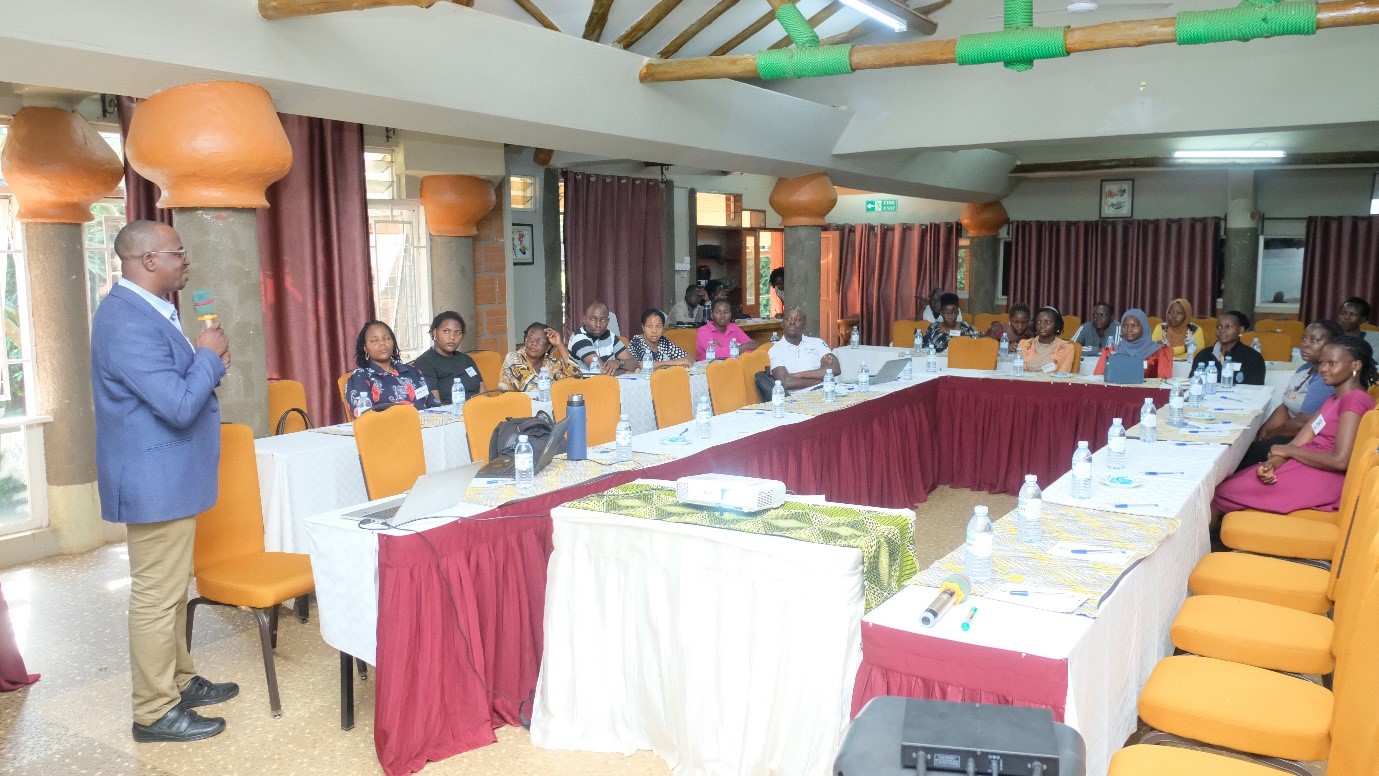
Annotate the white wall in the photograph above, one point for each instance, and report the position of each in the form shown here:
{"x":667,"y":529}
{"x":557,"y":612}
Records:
{"x":527,"y":289}
{"x":852,"y":209}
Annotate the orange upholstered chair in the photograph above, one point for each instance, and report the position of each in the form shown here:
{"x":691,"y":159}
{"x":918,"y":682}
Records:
{"x":482,"y":414}
{"x":683,"y":339}
{"x":752,"y":363}
{"x":389,"y":442}
{"x":725,"y":386}
{"x":490,"y":369}
{"x":1207,"y":325}
{"x":903,"y":332}
{"x":670,"y":395}
{"x":1292,"y":328}
{"x":982,"y":321}
{"x":1274,"y":346}
{"x":968,"y":353}
{"x":231,"y":566}
{"x":1070,"y":325}
{"x":602,"y":405}
{"x":341,"y":382}
{"x":287,"y":407}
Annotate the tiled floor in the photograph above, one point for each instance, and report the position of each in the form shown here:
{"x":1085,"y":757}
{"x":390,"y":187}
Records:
{"x":69,"y":615}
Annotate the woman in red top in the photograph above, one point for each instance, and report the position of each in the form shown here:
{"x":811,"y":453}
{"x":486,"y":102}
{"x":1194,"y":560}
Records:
{"x":1135,"y":341}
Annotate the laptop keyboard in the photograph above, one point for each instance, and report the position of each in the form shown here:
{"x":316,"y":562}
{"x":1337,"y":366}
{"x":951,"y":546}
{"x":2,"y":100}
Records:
{"x":378,"y":513}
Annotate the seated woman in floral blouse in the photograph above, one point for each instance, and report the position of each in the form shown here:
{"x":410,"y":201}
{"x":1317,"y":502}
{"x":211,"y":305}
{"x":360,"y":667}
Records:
{"x":541,"y":346}
{"x":381,"y":379}
{"x":947,"y":325}
{"x":662,"y":351}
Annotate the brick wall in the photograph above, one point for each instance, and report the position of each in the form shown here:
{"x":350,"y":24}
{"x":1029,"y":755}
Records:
{"x":490,"y":285}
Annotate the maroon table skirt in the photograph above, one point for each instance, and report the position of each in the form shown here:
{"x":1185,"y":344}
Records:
{"x":13,"y":674}
{"x":461,"y":606}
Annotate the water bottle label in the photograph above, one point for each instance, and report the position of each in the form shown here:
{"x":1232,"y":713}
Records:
{"x":1117,"y":445}
{"x":979,"y":544}
{"x":523,"y":461}
{"x":1083,"y":470}
{"x":1176,"y":402}
{"x":1149,"y":421}
{"x":1032,"y":508}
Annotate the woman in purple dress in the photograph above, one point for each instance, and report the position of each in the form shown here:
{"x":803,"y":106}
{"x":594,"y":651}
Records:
{"x":1308,"y":472}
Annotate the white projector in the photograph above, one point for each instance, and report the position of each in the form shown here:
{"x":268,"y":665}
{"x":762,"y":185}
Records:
{"x":726,"y":491}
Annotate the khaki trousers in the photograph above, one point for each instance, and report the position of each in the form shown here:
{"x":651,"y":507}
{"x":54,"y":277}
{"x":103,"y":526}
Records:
{"x":160,"y":568}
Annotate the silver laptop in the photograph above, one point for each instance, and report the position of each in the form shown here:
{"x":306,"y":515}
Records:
{"x":888,"y":372}
{"x":431,"y":493}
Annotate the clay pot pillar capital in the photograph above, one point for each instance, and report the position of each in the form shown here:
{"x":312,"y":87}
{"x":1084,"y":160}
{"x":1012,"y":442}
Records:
{"x":58,"y":165}
{"x":455,"y":204}
{"x":984,"y":219}
{"x":803,"y":201}
{"x":209,"y":145}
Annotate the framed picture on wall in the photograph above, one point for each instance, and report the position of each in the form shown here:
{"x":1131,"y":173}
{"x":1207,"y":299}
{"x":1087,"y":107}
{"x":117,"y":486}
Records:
{"x":523,"y":244}
{"x":1117,"y":198}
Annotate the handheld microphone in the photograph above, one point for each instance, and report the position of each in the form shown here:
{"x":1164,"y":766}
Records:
{"x":954,"y":590}
{"x":203,"y":304}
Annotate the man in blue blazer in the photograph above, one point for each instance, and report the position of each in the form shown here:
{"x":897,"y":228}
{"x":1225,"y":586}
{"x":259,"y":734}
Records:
{"x":157,"y":460}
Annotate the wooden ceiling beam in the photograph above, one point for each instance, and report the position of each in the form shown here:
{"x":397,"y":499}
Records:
{"x":536,"y":13}
{"x":695,"y":27}
{"x":646,"y":24}
{"x":288,"y":9}
{"x":747,"y":32}
{"x":598,"y":19}
{"x":1098,"y":37}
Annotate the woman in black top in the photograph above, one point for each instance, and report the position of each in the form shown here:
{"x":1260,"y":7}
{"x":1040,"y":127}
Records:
{"x":1229,"y":326}
{"x":444,"y":362}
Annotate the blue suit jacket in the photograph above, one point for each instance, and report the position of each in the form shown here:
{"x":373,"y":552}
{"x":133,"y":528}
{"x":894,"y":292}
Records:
{"x":157,"y":417}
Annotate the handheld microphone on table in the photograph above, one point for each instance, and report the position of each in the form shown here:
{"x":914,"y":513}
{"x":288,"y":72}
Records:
{"x":954,"y":590}
{"x":203,"y":304}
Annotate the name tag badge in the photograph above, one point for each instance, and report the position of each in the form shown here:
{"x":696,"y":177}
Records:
{"x":1049,"y":368}
{"x":469,"y":370}
{"x":1318,"y":425}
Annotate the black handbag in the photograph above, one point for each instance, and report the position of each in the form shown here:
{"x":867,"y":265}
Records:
{"x":765,"y":384}
{"x":538,"y":429}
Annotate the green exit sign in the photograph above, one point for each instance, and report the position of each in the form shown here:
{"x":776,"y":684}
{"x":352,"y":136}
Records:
{"x":883,"y":205}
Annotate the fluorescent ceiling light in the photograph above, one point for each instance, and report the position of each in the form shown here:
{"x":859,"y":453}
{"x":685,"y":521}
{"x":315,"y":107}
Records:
{"x":885,"y":17}
{"x":1246,"y":153}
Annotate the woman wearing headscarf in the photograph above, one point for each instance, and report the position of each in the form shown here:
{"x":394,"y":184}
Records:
{"x":1136,"y":342}
{"x":1177,"y":327}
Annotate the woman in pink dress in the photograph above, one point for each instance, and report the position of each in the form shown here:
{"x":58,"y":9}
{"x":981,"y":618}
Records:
{"x":1308,"y":472}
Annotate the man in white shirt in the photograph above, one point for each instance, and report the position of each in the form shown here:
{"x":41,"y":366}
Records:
{"x":799,"y":361}
{"x":597,"y":338}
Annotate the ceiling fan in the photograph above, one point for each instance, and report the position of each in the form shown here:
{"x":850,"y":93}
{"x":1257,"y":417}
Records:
{"x":1088,"y":6}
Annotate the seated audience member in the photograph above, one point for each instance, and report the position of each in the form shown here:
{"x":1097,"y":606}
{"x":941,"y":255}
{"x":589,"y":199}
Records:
{"x":1101,"y":330}
{"x":1045,"y":348}
{"x":1354,"y":312}
{"x":720,"y":330}
{"x":1302,"y":397}
{"x":1135,"y":341}
{"x":1308,"y":472}
{"x":1229,"y":326}
{"x":595,"y":339}
{"x":1177,"y":327}
{"x":687,"y":310}
{"x":933,"y":310}
{"x":444,"y":362}
{"x":949,"y":324}
{"x":541,"y":346}
{"x":663,"y":352}
{"x":380,"y":379}
{"x":1021,"y":327}
{"x":799,"y":360}
{"x":777,"y":281}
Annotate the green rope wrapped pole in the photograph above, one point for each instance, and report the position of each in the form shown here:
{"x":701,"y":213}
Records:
{"x":1013,"y":47}
{"x":1019,"y":15}
{"x":796,"y":26}
{"x":804,"y":62}
{"x":1251,"y":19}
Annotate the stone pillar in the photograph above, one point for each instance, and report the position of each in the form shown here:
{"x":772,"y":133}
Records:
{"x":213,"y":149}
{"x":1242,"y":244}
{"x":983,"y":222}
{"x":802,"y":204}
{"x":455,"y":204}
{"x":58,"y":165}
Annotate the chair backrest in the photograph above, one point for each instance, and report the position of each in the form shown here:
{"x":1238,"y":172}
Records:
{"x":1292,"y":328}
{"x":982,"y":321}
{"x":670,"y":395}
{"x":1155,"y":320}
{"x":1077,"y":358}
{"x":968,"y":353}
{"x":1355,"y":710}
{"x":389,"y":443}
{"x":490,"y":366}
{"x":285,"y":395}
{"x":1274,"y":346}
{"x":1208,"y":327}
{"x":341,"y":382}
{"x":602,"y":405}
{"x":483,"y":413}
{"x":233,"y":527}
{"x":1358,"y":556}
{"x":1071,"y":323}
{"x":903,"y":332}
{"x":752,"y":363}
{"x":726,"y":386}
{"x":1374,"y":392}
{"x":683,"y":339}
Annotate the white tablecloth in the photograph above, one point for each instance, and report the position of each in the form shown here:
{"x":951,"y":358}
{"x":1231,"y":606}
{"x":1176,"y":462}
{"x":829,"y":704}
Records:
{"x":635,"y":395}
{"x":724,"y":652}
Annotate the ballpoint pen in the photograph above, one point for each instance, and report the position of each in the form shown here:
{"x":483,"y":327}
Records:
{"x":1095,"y":551}
{"x":1160,"y":474}
{"x":967,"y":621}
{"x":1128,"y":506}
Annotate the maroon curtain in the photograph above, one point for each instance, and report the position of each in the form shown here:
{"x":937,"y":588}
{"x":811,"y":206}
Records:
{"x":1340,"y":259}
{"x":883,"y":266}
{"x":314,"y":260}
{"x":140,"y":194}
{"x":1072,"y":265}
{"x":613,"y":249}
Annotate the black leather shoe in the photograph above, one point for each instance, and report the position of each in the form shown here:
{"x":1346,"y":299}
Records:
{"x":178,"y":724}
{"x":203,"y":692}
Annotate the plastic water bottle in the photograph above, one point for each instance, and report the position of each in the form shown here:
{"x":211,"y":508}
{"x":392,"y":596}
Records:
{"x":931,"y":360}
{"x":648,"y":363}
{"x":1004,"y":351}
{"x":919,"y":343}
{"x":1209,"y":380}
{"x":595,"y":366}
{"x":525,"y":463}
{"x":1029,"y":510}
{"x":979,"y":541}
{"x":1017,"y":363}
{"x":856,"y":339}
{"x":1194,"y":390}
{"x":778,"y":400}
{"x":863,"y":377}
{"x":1175,"y":408}
{"x":775,"y":336}
{"x":1115,"y":444}
{"x":543,"y":385}
{"x":457,"y":397}
{"x":1258,"y":347}
{"x":907,"y":374}
{"x":1228,"y":374}
{"x":711,"y":352}
{"x":829,"y":387}
{"x":1082,"y":471}
{"x":623,"y":439}
{"x":733,"y":350}
{"x":1191,"y":346}
{"x":1149,"y":422}
{"x":703,"y":414}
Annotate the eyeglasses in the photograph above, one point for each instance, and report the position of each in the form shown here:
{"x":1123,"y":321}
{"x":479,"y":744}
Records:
{"x":180,"y":253}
